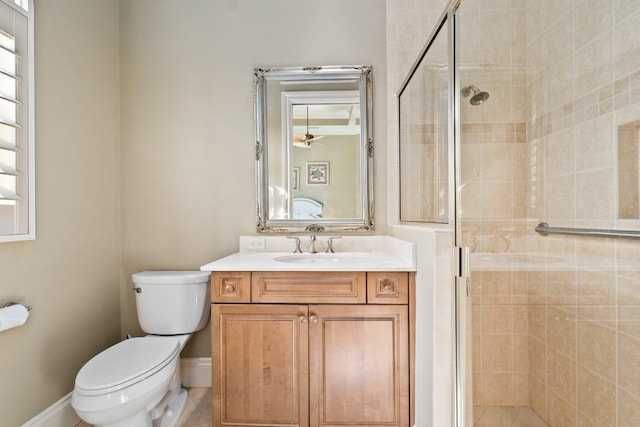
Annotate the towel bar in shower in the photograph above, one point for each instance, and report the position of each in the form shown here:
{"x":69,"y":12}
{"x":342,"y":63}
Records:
{"x":543,"y":228}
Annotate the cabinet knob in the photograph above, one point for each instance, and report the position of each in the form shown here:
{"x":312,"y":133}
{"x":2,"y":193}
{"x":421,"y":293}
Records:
{"x":303,"y":319}
{"x":387,"y":287}
{"x":229,"y":288}
{"x":313,"y":318}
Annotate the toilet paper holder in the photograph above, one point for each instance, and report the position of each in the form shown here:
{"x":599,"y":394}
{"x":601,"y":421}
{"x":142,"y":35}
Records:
{"x":9,"y":304}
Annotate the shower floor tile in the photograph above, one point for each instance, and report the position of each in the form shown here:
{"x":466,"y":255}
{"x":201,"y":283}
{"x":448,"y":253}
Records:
{"x":506,"y":416}
{"x":197,"y":413}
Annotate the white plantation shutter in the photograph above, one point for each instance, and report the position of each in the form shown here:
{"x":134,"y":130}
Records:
{"x":8,"y":112}
{"x":16,"y":121}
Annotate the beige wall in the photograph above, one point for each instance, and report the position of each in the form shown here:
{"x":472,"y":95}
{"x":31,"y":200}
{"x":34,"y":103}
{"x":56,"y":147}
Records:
{"x":342,"y":152}
{"x":187,"y":118}
{"x":145,"y":160}
{"x":70,"y":273}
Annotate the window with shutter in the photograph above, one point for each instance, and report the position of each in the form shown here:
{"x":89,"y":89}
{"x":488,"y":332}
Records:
{"x":17,"y":201}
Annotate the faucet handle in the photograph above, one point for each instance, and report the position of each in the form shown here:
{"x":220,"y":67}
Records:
{"x":313,"y":248}
{"x":297,"y":250}
{"x":330,"y":244}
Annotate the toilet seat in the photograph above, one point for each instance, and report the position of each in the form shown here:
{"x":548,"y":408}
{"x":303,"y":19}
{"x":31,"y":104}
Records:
{"x":126,"y":363}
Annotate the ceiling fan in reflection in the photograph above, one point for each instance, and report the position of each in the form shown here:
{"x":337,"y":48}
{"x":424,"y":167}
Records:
{"x":305,"y":140}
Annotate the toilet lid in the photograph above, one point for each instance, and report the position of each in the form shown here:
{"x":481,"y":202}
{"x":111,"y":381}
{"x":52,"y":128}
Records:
{"x":126,"y":363}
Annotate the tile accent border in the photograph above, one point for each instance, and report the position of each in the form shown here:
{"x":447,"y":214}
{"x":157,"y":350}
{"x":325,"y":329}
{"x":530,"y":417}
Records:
{"x":600,"y":101}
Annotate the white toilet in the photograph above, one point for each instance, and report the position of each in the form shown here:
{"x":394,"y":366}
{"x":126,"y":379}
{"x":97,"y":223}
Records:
{"x":137,"y":382}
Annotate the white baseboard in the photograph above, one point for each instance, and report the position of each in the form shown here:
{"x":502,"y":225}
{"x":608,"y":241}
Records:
{"x":196,"y":372}
{"x":60,"y":414}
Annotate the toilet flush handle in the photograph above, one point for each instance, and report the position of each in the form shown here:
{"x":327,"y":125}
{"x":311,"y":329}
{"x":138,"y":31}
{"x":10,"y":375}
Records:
{"x":138,"y":290}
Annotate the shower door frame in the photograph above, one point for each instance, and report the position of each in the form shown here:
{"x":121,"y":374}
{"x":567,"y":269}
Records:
{"x":462,"y":375}
{"x":460,"y":268}
{"x":461,"y":262}
{"x":462,"y":407}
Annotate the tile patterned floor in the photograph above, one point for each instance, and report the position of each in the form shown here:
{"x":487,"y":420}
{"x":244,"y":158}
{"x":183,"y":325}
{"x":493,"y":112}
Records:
{"x":505,"y":416}
{"x":197,"y":413}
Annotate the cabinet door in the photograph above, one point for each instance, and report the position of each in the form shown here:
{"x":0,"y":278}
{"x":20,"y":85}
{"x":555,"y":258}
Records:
{"x":260,"y":365}
{"x":358,"y":365}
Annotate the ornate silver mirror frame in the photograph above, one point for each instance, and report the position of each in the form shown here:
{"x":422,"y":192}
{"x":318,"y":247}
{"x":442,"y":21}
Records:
{"x":278,"y":180}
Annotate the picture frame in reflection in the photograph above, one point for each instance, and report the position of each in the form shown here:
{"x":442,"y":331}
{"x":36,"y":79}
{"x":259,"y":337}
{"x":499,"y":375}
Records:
{"x":318,"y":173}
{"x":295,"y":179}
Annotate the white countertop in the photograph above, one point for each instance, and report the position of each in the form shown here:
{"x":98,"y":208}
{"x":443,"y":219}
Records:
{"x":352,"y":253}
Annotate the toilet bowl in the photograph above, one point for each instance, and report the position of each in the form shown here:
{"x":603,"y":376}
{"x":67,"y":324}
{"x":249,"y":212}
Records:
{"x":137,"y":382}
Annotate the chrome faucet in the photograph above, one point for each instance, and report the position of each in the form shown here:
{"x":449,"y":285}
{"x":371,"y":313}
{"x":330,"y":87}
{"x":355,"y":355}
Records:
{"x":313,"y":245}
{"x":297,"y":250}
{"x":330,"y":244}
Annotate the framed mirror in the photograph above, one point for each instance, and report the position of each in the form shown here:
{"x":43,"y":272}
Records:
{"x":314,"y":149}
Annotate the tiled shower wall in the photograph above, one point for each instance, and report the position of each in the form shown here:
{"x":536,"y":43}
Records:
{"x":495,"y":174}
{"x":571,"y":319}
{"x":583,"y":83}
{"x":559,"y":332}
{"x":628,"y":171}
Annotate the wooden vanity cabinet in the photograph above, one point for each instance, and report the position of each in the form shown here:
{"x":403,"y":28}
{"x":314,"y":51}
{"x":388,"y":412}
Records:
{"x":358,"y":365}
{"x":304,"y":363}
{"x":260,"y":365}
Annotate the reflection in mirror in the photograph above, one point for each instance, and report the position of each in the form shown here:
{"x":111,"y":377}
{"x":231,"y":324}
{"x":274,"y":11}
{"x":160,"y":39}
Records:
{"x":424,"y":135}
{"x":326,"y":149}
{"x":628,"y":166}
{"x":314,"y":149}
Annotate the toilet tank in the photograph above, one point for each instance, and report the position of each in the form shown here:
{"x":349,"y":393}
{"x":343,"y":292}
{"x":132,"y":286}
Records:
{"x":172,"y":302}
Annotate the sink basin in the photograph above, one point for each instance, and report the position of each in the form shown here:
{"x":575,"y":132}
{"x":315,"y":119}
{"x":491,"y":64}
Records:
{"x":308,"y":259}
{"x":356,"y":253}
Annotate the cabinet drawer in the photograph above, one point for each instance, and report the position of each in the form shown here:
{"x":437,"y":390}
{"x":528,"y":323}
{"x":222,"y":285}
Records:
{"x":388,"y":288}
{"x":230,"y":286}
{"x":309,"y":287}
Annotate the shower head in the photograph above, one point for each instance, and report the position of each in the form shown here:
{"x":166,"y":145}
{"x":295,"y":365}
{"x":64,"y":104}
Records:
{"x":478,"y":96}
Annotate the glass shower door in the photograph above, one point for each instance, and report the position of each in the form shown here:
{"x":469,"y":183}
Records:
{"x":546,"y":132}
{"x":492,"y":183}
